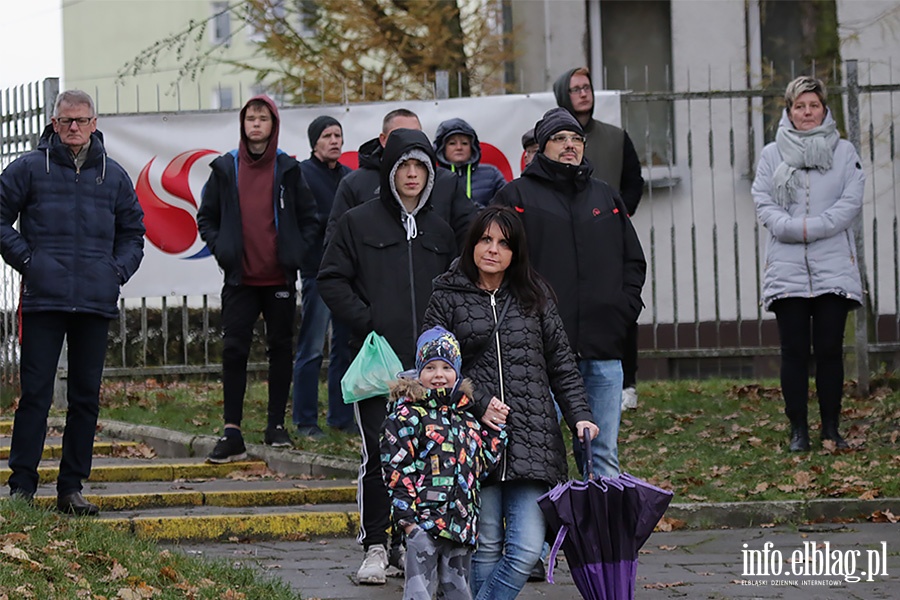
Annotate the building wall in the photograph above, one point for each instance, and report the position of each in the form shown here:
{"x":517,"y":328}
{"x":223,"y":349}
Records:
{"x":100,"y":36}
{"x":551,"y":37}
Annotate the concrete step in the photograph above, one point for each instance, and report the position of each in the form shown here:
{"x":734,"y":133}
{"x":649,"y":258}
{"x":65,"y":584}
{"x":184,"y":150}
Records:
{"x":157,"y":484}
{"x":248,"y":523}
{"x":233,"y":493}
{"x":149,"y":471}
{"x":54,"y":449}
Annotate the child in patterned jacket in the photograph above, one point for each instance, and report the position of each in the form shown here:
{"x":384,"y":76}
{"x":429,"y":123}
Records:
{"x":435,"y":454}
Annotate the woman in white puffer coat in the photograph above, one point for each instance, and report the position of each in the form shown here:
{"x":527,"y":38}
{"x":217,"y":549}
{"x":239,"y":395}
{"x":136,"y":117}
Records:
{"x":808,"y":193}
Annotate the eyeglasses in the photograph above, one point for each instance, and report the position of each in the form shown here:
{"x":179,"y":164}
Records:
{"x":81,"y":121}
{"x":562,"y":138}
{"x":578,"y":90}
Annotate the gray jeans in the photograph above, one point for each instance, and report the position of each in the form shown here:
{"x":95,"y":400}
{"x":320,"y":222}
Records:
{"x":436,"y":564}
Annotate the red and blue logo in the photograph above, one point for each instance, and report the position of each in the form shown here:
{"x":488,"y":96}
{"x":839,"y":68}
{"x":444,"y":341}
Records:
{"x":170,"y":228}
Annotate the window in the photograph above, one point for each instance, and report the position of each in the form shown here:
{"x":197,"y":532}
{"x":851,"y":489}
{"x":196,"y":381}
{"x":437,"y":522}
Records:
{"x":636,"y":45}
{"x":221,"y":23}
{"x":275,"y":13}
{"x":223,"y":98}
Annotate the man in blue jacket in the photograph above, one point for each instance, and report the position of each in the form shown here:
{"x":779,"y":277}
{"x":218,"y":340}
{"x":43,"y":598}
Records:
{"x":258,"y":218}
{"x":80,"y":237}
{"x":323,"y":173}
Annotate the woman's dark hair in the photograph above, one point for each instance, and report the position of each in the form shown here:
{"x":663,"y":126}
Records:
{"x":526,"y":284}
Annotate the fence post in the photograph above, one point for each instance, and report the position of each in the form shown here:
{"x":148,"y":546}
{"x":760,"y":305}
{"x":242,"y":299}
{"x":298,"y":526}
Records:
{"x":862,"y":315}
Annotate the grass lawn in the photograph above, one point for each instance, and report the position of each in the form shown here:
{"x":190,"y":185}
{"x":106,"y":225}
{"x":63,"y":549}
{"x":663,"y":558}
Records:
{"x":708,"y":441}
{"x":46,"y":555}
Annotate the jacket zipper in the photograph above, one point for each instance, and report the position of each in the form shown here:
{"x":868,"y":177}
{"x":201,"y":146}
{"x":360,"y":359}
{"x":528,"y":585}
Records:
{"x":499,"y":373}
{"x":412,"y":289}
{"x":805,"y":243}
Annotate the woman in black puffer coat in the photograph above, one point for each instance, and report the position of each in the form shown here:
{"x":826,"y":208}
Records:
{"x":514,"y":367}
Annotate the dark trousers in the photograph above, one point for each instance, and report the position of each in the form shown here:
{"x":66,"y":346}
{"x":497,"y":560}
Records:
{"x":241,"y":306}
{"x":42,"y":339}
{"x":630,"y":357}
{"x":828,"y":316}
{"x":372,"y":495}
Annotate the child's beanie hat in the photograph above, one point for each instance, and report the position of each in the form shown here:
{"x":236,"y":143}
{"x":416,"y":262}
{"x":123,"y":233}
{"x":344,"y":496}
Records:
{"x":438,"y":344}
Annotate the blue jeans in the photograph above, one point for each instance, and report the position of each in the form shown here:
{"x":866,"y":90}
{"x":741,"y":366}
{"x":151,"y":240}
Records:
{"x":505,"y":556}
{"x":603,"y":384}
{"x":313,"y":329}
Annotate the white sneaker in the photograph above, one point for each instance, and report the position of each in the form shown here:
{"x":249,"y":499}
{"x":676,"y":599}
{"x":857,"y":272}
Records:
{"x":372,"y":570}
{"x":629,"y":398}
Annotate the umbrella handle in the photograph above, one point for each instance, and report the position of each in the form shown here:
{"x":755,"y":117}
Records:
{"x":588,"y":457}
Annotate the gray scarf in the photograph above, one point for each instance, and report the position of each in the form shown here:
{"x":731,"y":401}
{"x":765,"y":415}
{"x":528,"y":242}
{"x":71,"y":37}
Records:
{"x":813,"y":149}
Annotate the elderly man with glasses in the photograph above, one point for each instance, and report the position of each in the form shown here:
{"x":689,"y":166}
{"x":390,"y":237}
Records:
{"x":80,"y":238}
{"x":581,"y":240}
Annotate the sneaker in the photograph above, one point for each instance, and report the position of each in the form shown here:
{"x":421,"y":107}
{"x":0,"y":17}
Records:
{"x":629,"y":398}
{"x":278,"y":437}
{"x":311,"y":432}
{"x":228,"y":449}
{"x":372,"y":570}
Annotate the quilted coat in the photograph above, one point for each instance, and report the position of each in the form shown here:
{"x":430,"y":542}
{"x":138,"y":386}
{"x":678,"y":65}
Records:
{"x":81,"y":231}
{"x":534,"y":358}
{"x":811,"y":249}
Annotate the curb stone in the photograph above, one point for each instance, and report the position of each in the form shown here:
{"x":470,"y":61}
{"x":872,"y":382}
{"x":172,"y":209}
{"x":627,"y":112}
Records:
{"x":174,"y":444}
{"x":696,"y":515}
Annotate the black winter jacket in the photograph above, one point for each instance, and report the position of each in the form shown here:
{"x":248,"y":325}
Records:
{"x":581,"y":240}
{"x":81,"y":232}
{"x":219,"y":216}
{"x":448,"y":198}
{"x":534,"y":359}
{"x":372,"y":277}
{"x":323,"y":182}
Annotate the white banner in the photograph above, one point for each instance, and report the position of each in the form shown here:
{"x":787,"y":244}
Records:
{"x":168,"y":155}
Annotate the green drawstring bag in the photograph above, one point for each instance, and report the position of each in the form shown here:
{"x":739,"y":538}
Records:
{"x":371,"y":371}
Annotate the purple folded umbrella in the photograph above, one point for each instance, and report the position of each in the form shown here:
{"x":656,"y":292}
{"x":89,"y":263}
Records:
{"x":601,"y":524}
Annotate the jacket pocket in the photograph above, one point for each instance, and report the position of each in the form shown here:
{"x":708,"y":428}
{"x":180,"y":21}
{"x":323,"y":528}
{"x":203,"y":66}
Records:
{"x":101,"y":282}
{"x":46,"y":277}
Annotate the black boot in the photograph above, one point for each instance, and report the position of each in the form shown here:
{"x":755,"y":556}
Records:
{"x":799,"y":438}
{"x":830,"y":432}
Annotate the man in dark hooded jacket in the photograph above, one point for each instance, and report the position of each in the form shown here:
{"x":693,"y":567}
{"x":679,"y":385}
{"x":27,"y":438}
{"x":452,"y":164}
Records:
{"x":612,"y":155}
{"x":80,"y":238}
{"x":377,"y":275}
{"x":258,"y":217}
{"x":459,"y":151}
{"x":581,"y":240}
{"x":448,"y":198}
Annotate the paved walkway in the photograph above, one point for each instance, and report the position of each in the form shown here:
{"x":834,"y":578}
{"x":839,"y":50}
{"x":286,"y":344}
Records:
{"x":681,"y":564}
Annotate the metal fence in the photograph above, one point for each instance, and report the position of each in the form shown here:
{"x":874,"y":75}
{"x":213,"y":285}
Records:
{"x":697,"y":223}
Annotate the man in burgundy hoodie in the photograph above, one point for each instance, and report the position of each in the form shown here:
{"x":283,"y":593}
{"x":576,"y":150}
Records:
{"x":258,"y":218}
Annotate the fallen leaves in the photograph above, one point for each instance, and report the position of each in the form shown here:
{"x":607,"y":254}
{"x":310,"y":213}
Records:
{"x":663,"y":585}
{"x":883,"y":516}
{"x":669,"y":524}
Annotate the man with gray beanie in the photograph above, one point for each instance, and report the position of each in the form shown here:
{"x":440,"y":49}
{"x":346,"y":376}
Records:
{"x":581,"y":240}
{"x":323,"y":173}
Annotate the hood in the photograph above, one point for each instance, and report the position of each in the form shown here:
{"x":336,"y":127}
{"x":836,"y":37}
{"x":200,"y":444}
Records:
{"x":410,"y":391}
{"x":53,"y":149}
{"x":561,"y":91}
{"x":452,"y":127}
{"x":369,"y":155}
{"x":401,"y":143}
{"x":272,"y":148}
